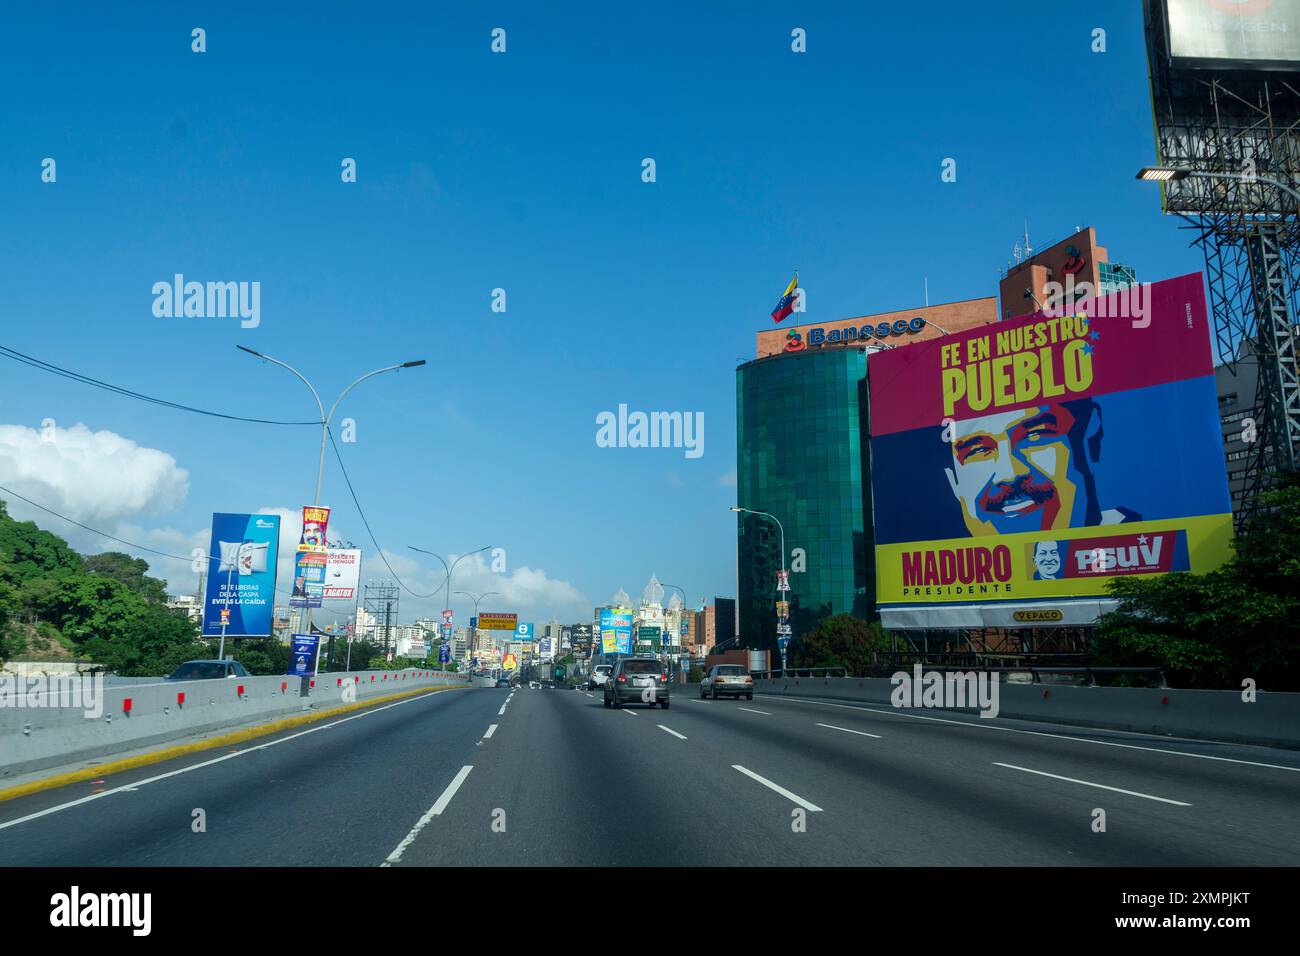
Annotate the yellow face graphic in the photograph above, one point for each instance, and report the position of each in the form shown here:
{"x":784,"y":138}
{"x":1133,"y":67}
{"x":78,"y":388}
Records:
{"x":1015,"y":471}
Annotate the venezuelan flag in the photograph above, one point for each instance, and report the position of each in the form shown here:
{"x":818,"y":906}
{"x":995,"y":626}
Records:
{"x":786,"y":306}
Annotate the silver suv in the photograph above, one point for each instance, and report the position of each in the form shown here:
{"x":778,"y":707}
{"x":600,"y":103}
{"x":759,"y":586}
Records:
{"x":599,"y":674}
{"x":727,"y":680}
{"x":637,"y":680}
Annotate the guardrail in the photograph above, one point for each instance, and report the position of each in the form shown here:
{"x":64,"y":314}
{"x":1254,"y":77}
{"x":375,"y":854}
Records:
{"x":54,"y":723}
{"x":1035,"y":672}
{"x":1263,"y":717}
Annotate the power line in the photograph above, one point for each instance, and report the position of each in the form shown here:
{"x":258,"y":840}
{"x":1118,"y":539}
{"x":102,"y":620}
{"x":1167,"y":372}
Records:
{"x":6,"y":352}
{"x":138,"y":547}
{"x":378,"y":550}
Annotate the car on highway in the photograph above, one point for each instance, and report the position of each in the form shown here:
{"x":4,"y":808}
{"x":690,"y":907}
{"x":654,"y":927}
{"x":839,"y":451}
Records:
{"x":208,"y":670}
{"x":637,"y":680}
{"x":599,"y":674}
{"x":727,"y":680}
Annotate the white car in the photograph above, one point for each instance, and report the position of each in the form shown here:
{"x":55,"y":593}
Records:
{"x":599,"y":674}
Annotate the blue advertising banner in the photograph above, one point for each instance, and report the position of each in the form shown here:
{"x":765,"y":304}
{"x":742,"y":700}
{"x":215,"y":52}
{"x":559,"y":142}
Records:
{"x":302,"y":655}
{"x":241,"y":575}
{"x":444,"y":653}
{"x":524,"y":632}
{"x":615,"y":631}
{"x":308,"y":579}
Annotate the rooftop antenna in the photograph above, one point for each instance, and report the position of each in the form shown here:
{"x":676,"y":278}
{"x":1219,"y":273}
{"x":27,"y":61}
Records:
{"x":1028,"y":248}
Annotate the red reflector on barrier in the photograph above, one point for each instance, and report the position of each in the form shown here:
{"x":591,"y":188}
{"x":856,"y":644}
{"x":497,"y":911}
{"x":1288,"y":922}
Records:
{"x":339,"y":682}
{"x":180,"y":698}
{"x":1164,"y":699}
{"x":126,"y":705}
{"x":1046,"y":693}
{"x":284,"y":685}
{"x":372,"y":678}
{"x":357,"y":679}
{"x":240,"y":690}
{"x":312,"y":684}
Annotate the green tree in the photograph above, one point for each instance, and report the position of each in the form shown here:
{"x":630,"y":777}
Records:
{"x":841,"y":640}
{"x":262,"y":657}
{"x":1213,"y":630}
{"x":133,"y":572}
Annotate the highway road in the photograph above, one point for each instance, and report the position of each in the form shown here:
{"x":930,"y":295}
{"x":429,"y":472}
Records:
{"x":551,"y":777}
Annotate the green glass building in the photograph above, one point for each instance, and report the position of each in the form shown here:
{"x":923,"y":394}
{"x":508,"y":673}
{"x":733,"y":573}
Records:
{"x":802,"y":454}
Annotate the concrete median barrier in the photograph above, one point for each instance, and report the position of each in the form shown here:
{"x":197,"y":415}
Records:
{"x":1272,"y":719}
{"x":58,"y":723}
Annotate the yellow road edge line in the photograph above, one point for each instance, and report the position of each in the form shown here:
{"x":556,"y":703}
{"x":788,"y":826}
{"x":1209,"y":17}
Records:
{"x":180,"y":750}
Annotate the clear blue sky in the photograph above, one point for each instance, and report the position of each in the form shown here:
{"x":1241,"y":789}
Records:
{"x":523,"y":171}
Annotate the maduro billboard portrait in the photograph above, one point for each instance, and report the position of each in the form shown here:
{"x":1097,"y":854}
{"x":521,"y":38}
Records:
{"x":1017,"y":467}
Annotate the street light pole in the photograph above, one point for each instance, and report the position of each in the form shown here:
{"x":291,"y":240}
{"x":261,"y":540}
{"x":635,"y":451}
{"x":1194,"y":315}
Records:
{"x":677,"y":657}
{"x":469,"y":650}
{"x":324,"y":433}
{"x":447,"y":600}
{"x":779,"y":643}
{"x":1164,"y":174}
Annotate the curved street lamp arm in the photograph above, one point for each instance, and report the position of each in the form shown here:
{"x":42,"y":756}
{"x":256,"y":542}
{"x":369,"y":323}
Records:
{"x":275,"y":361}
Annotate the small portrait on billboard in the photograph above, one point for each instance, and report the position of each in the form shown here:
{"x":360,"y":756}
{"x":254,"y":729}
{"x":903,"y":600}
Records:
{"x":1049,"y":560}
{"x":1031,"y":469}
{"x":313,"y":533}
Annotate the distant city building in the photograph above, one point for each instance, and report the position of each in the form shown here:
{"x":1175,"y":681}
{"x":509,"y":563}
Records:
{"x":191,"y":605}
{"x":1076,"y":261}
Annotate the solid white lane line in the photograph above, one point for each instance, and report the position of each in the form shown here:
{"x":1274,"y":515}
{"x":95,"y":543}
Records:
{"x":1041,"y":733}
{"x":205,"y":763}
{"x":778,"y":788}
{"x":860,"y":733}
{"x":492,"y":729}
{"x":669,"y":730}
{"x":439,"y":805}
{"x":633,"y":713}
{"x":1088,"y":783}
{"x":752,"y":711}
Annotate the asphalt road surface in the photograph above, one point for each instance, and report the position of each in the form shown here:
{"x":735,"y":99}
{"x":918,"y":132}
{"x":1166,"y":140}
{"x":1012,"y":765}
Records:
{"x":551,"y":777}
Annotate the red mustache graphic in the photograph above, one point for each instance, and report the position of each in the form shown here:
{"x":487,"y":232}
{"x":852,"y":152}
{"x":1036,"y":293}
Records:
{"x":1026,"y":487}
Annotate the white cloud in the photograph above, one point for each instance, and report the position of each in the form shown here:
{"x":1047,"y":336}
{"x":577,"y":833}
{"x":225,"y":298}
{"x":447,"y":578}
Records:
{"x":528,"y":592}
{"x":88,"y":476}
{"x":728,"y":480}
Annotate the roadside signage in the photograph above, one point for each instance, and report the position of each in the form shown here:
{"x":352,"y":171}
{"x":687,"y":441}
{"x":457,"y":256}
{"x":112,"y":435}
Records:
{"x":302,"y":654}
{"x":498,"y":622}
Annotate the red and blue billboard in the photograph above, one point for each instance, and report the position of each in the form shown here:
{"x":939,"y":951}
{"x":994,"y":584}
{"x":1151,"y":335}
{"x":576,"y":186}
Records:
{"x":1031,"y":461}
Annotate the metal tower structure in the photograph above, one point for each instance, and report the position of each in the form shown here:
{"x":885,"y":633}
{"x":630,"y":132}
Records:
{"x":1237,"y":127}
{"x":380,"y":600}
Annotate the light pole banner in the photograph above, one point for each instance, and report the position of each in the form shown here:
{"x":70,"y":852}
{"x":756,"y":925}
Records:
{"x":241,"y":574}
{"x":309,"y":570}
{"x":315,"y":524}
{"x":302,"y":655}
